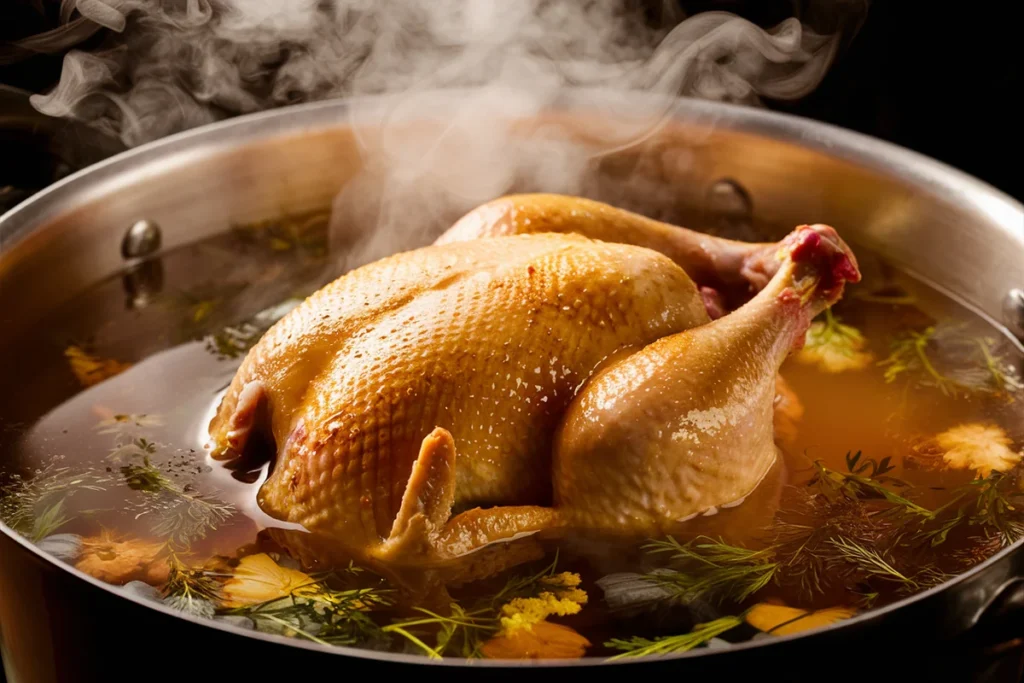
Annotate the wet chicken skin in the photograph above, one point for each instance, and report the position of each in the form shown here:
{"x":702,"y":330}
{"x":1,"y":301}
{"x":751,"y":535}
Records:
{"x":488,"y":339}
{"x":535,"y":381}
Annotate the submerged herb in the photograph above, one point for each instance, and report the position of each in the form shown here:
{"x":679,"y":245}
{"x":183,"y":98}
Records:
{"x":945,"y":358}
{"x":869,"y":467}
{"x":235,"y":341}
{"x":289,"y":233}
{"x":700,"y":635}
{"x":848,"y":532}
{"x":869,"y":562}
{"x":193,"y":591}
{"x":710,"y":569}
{"x":326,"y":610}
{"x":521,"y":602}
{"x":35,"y":505}
{"x":176,"y":512}
{"x":833,"y":346}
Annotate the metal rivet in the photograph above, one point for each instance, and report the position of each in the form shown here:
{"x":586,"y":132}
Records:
{"x":141,"y":240}
{"x":1013,"y":311}
{"x":728,"y":199}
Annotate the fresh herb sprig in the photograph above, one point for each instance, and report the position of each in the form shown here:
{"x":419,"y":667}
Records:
{"x":636,"y":647}
{"x":957,"y":364}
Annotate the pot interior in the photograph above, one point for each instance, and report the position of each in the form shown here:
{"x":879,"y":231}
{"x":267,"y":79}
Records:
{"x":264,"y":210}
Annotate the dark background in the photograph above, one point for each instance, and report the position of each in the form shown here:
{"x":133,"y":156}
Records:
{"x":942,"y":78}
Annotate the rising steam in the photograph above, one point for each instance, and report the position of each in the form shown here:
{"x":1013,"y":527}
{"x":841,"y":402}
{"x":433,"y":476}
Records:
{"x":182,"y":63}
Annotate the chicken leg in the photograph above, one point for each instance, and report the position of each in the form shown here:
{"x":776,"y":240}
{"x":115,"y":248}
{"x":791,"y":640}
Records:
{"x":677,"y":429}
{"x":712,"y":262}
{"x":685,"y":425}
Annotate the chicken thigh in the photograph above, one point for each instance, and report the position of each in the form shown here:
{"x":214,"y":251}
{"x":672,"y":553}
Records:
{"x":548,"y":364}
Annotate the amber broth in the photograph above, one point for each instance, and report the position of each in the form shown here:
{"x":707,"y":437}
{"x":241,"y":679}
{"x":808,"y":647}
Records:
{"x":124,"y":461}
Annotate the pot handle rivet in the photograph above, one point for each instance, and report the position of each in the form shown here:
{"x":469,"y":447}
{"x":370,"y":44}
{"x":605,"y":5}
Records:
{"x":1013,"y":311}
{"x":141,"y":240}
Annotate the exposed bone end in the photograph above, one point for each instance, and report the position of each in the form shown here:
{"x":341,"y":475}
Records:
{"x":823,"y":256}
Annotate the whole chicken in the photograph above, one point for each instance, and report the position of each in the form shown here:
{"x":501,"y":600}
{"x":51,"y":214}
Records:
{"x":549,"y":363}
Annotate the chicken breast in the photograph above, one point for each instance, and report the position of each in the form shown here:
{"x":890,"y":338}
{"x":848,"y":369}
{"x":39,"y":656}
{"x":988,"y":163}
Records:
{"x":527,"y":380}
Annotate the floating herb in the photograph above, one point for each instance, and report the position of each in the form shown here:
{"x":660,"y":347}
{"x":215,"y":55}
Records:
{"x":833,"y":346}
{"x":700,"y":635}
{"x":945,"y":358}
{"x":234,"y":341}
{"x":34,"y":505}
{"x":523,"y":602}
{"x":326,"y":609}
{"x":176,"y":513}
{"x":870,"y":562}
{"x":843,"y":531}
{"x":306,"y":233}
{"x":706,"y":568}
{"x":193,"y":591}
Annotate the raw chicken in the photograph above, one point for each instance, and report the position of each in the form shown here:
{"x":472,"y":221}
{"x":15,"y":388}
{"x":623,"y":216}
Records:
{"x":547,"y":365}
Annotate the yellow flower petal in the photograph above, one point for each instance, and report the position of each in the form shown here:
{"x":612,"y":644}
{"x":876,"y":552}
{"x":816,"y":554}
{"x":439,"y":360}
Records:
{"x":543,"y":641}
{"x":257,"y":578}
{"x":564,"y":579}
{"x":566,"y":598}
{"x":979,"y":447}
{"x":525,"y":612}
{"x":834,"y":347}
{"x":780,"y":620}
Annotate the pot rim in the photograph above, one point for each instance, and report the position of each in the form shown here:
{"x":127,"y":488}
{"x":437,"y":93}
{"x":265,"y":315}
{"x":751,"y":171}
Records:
{"x":863,"y":150}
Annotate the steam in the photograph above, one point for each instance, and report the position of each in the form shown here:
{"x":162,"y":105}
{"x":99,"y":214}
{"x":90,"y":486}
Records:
{"x":183,"y":63}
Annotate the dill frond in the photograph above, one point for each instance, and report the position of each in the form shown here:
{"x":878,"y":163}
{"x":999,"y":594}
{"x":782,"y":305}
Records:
{"x":701,"y":634}
{"x":869,"y":561}
{"x":712,"y":569}
{"x":35,"y":505}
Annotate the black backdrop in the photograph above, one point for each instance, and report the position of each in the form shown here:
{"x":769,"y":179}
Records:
{"x":942,"y":78}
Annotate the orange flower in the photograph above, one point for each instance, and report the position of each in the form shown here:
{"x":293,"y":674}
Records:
{"x":91,"y":370}
{"x":119,"y":562}
{"x":780,"y":620}
{"x":543,"y":640}
{"x":257,"y":578}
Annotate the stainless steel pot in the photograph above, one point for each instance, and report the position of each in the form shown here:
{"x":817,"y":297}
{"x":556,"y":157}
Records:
{"x":721,"y":163}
